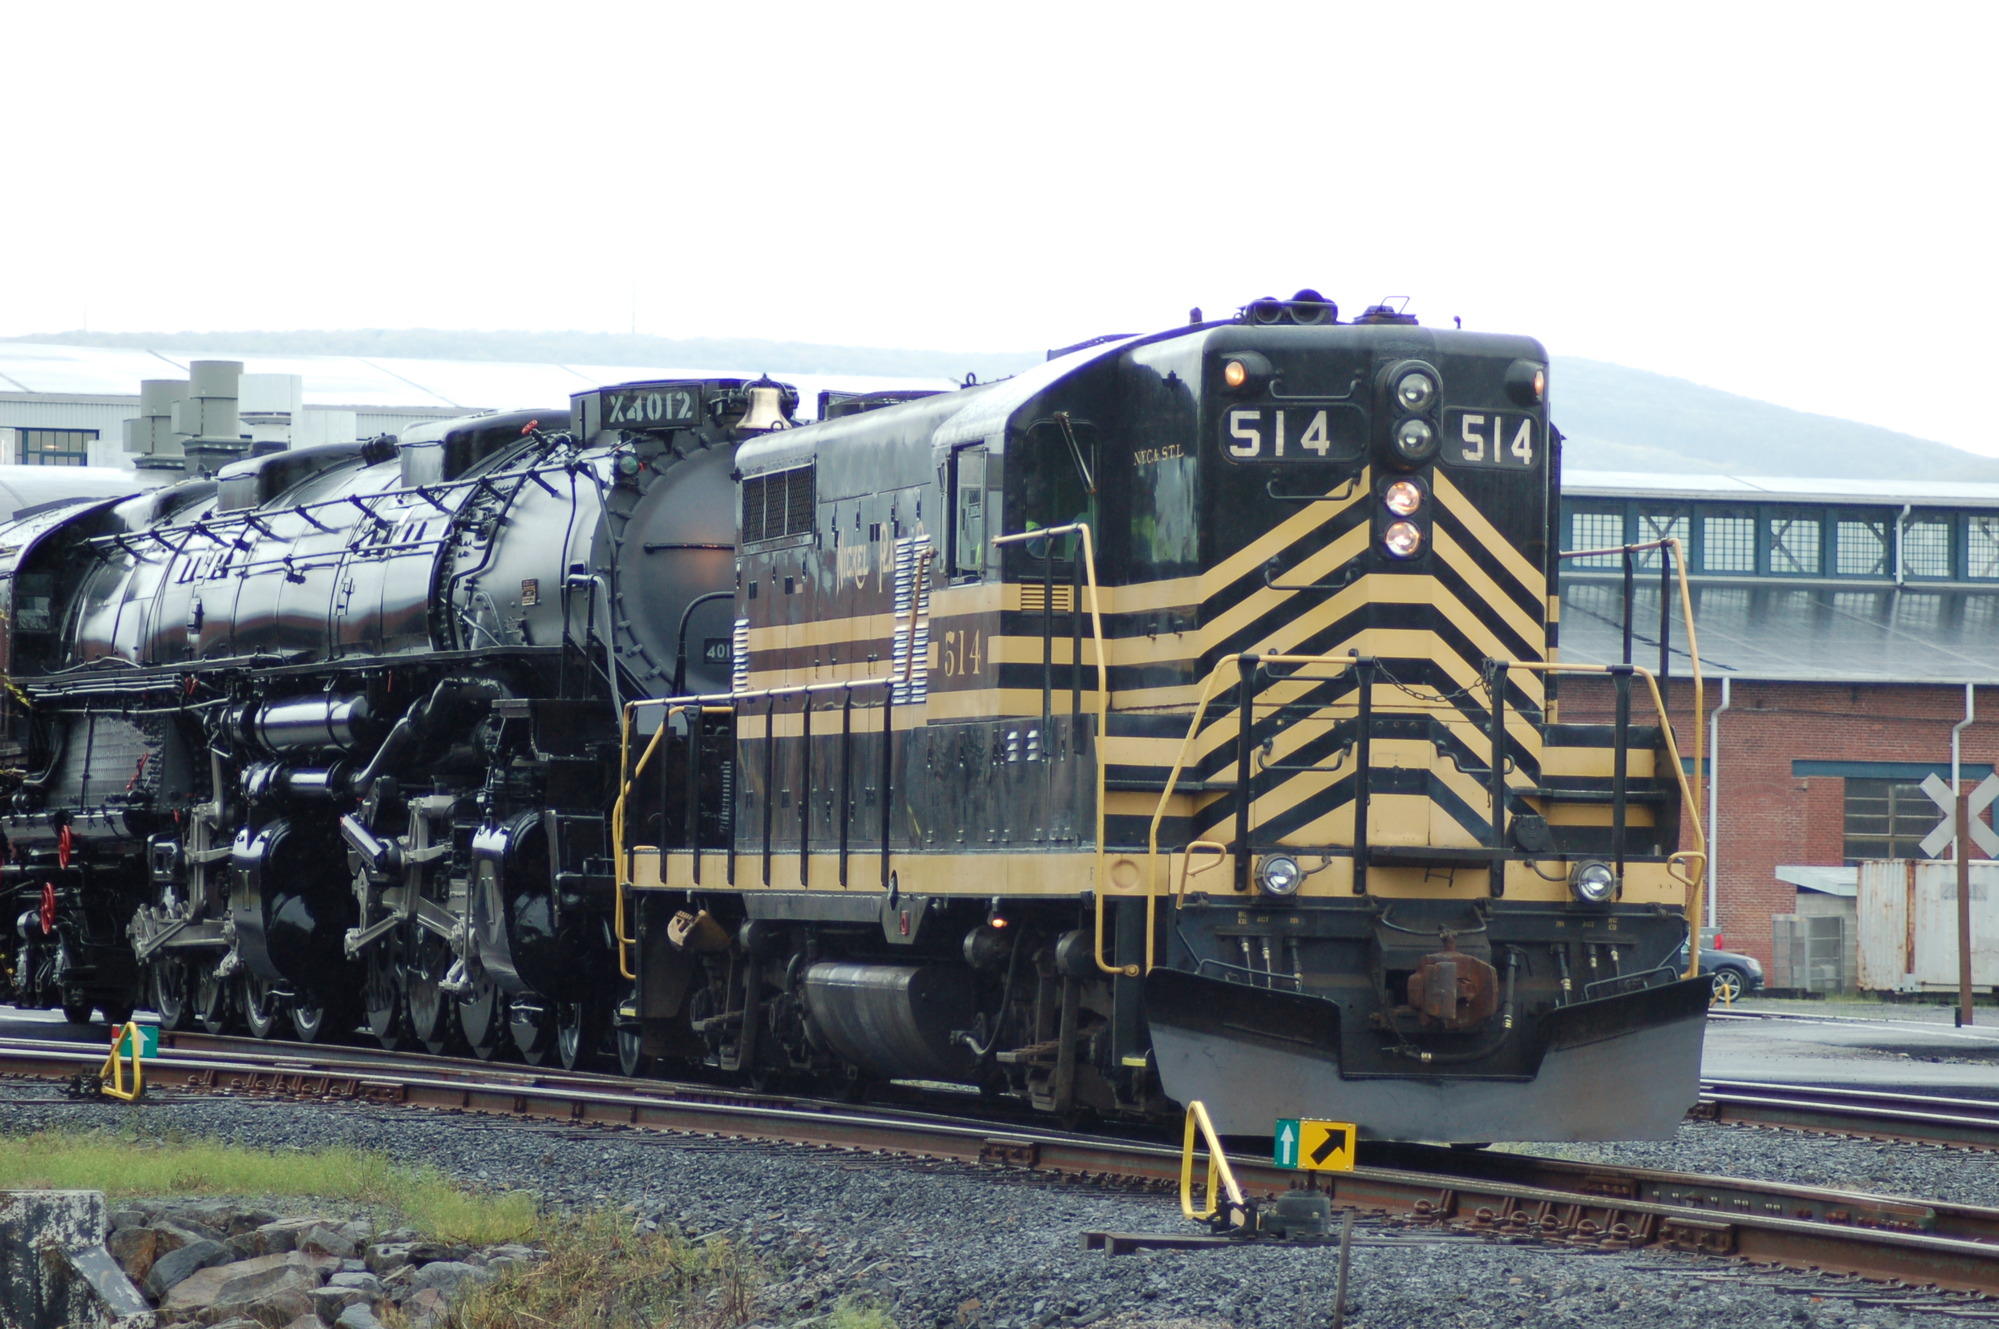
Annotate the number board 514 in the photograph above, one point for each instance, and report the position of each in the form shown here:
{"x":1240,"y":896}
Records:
{"x":1491,"y":438}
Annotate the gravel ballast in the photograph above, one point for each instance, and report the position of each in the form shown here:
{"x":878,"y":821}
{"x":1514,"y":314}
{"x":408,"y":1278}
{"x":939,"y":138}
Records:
{"x":953,"y":1246}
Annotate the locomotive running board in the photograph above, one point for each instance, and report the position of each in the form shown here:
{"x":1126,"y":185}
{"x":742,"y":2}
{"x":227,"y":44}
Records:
{"x":1625,"y":1067}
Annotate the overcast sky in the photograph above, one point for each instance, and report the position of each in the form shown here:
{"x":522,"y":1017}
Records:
{"x":1788,"y":201}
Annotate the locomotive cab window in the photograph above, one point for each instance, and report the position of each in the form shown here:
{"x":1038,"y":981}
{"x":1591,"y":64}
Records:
{"x":969,"y":537}
{"x":1059,"y":487}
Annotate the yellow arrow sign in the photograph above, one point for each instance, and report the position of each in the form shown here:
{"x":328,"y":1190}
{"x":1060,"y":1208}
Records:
{"x":1327,"y":1146}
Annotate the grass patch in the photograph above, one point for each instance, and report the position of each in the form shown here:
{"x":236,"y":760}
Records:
{"x":601,"y":1273}
{"x":134,"y":1164}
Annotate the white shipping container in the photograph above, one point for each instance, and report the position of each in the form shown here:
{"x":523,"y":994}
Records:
{"x":1907,"y":920}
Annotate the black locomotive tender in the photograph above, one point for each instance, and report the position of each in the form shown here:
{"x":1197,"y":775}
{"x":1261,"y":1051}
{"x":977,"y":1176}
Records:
{"x":1170,"y":721}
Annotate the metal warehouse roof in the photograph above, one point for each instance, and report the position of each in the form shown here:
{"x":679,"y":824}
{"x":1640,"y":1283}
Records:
{"x":378,"y":381}
{"x":1806,"y":633}
{"x":1778,"y":489}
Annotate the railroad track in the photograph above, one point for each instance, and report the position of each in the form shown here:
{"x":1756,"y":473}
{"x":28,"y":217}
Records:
{"x":1968,"y":1123}
{"x":1501,"y":1195}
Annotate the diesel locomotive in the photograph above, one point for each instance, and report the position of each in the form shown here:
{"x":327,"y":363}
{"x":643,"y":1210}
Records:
{"x":1174,"y":720}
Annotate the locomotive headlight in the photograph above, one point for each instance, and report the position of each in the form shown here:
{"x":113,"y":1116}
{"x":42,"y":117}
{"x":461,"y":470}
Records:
{"x":1593,"y":881}
{"x":1415,"y":440}
{"x":1279,"y":874}
{"x":1403,"y":498}
{"x":1235,"y":373}
{"x":1415,"y":391}
{"x":1403,"y":539}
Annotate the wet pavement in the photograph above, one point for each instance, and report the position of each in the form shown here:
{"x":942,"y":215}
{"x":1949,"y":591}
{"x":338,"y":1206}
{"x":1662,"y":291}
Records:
{"x":1915,"y":1048}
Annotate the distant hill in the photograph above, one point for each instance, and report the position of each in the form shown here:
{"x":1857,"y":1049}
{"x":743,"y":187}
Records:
{"x":1622,"y":419}
{"x":1616,"y":418}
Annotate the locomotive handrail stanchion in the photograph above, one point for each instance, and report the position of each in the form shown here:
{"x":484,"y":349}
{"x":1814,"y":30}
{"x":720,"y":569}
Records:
{"x":1200,"y":1128}
{"x":805,"y":797}
{"x":1496,"y":781}
{"x":1076,"y":646}
{"x":695,"y":735}
{"x":846,"y":776}
{"x":1620,"y":760}
{"x":1363,"y":770}
{"x":1626,"y":607}
{"x":1246,"y":669}
{"x":888,"y":765}
{"x":770,"y":775}
{"x":1082,"y":531}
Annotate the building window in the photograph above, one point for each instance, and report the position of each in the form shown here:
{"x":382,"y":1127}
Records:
{"x":1728,"y":544}
{"x":1862,"y":548}
{"x":1926,"y":547}
{"x":1887,"y":819}
{"x":1661,"y":526}
{"x":56,"y":447}
{"x":1794,"y":546}
{"x":1596,"y":530}
{"x":1981,"y":547}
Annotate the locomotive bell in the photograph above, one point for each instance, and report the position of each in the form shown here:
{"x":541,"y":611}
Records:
{"x":766,"y":411}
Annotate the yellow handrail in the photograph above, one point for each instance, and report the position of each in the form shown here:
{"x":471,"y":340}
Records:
{"x":625,"y":856}
{"x":113,"y":1074}
{"x":1218,"y":1168}
{"x":1103,"y":710}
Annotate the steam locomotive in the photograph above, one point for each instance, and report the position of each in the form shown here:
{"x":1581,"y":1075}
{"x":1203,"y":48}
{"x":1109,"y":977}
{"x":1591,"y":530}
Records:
{"x":1177,"y":719}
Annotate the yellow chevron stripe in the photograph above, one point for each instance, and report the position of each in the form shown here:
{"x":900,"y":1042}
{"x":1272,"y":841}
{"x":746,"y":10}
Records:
{"x":1484,"y":534}
{"x":1488,"y":592}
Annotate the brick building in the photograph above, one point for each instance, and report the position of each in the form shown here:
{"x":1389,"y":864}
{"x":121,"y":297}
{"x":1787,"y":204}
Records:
{"x":1839,"y":624}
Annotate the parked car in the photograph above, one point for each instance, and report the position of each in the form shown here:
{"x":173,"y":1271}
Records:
{"x":1733,"y":974}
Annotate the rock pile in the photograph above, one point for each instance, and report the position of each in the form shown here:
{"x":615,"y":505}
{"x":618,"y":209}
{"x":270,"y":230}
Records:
{"x":220,"y":1264}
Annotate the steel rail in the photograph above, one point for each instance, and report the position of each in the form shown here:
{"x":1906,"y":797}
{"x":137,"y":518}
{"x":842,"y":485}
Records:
{"x":1871,"y":1114}
{"x":1966,"y":1123}
{"x":1949,"y":1246}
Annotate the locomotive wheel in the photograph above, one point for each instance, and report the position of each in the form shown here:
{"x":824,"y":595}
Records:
{"x":214,"y":1003}
{"x":118,"y":1014}
{"x":260,"y":1006}
{"x":579,"y":1030}
{"x":173,"y":993}
{"x":384,"y":1005}
{"x":433,"y":1015}
{"x":482,"y":1015}
{"x":532,"y":1025}
{"x":76,"y":1009}
{"x":632,"y":1060}
{"x":317,"y":1018}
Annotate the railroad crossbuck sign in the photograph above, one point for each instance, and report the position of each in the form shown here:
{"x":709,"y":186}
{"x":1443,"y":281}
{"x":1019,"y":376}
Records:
{"x":1976,"y":802}
{"x":1315,"y":1146}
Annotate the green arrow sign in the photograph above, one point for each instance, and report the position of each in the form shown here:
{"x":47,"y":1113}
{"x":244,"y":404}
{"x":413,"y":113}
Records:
{"x":1286,"y":1151}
